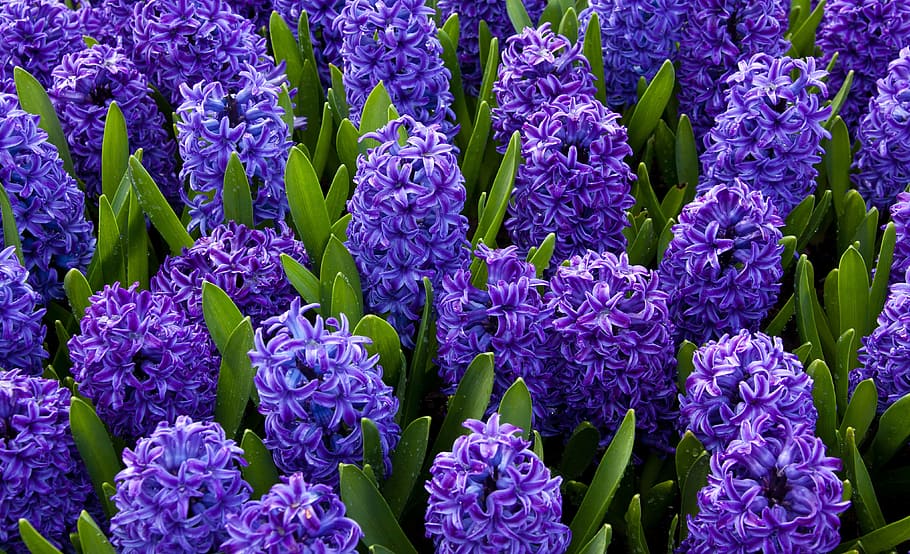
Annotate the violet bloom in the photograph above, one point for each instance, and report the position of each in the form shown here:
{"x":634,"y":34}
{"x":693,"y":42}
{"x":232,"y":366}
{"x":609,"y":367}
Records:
{"x":883,"y":161}
{"x":637,"y":37}
{"x":245,"y":263}
{"x":324,"y":36}
{"x":720,"y":33}
{"x":257,"y":11}
{"x":900,"y":215}
{"x":574,"y":181}
{"x":316,"y":381}
{"x":771,"y":132}
{"x":395,"y":42}
{"x":722,"y":269}
{"x":613,"y":331}
{"x":85,"y":84}
{"x":41,"y":474}
{"x":294,"y":516}
{"x":492,"y":494}
{"x":739,"y":378}
{"x":772,"y":489}
{"x":21,"y":329}
{"x":406,"y":220}
{"x":866,"y":35}
{"x":178,"y":487}
{"x":141,"y":361}
{"x":537,"y":67}
{"x":217,"y":119}
{"x":108,"y":21}
{"x":48,"y":206}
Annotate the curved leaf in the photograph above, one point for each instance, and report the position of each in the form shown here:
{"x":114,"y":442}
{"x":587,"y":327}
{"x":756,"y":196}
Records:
{"x":469,"y":402}
{"x":260,"y":471}
{"x":367,"y":507}
{"x":515,"y":407}
{"x":34,"y":99}
{"x":407,"y":461}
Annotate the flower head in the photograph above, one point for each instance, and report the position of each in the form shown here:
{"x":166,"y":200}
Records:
{"x":900,"y":215}
{"x":885,"y":354}
{"x":108,"y":21}
{"x":491,"y":493}
{"x":324,"y":35}
{"x":316,"y":382}
{"x":883,"y":161}
{"x":406,"y":220}
{"x":739,"y":378}
{"x":85,"y":83}
{"x":613,"y":331}
{"x":720,"y":33}
{"x":295,"y":516}
{"x":574,"y":181}
{"x":537,"y":67}
{"x":48,"y":206}
{"x":722,"y":268}
{"x":41,"y":474}
{"x":178,"y":487}
{"x":245,"y":263}
{"x":21,"y":330}
{"x":217,"y":119}
{"x":257,"y":11}
{"x":771,"y":132}
{"x":141,"y":360}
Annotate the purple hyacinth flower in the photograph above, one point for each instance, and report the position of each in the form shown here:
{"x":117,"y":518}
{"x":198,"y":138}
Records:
{"x":719,"y":34}
{"x":48,"y":206}
{"x":866,"y":35}
{"x":42,"y":478}
{"x":772,"y":489}
{"x":900,"y":215}
{"x":492,"y":494}
{"x":537,"y":67}
{"x":883,"y":162}
{"x":108,"y":21}
{"x":316,"y":381}
{"x":722,"y":269}
{"x":141,"y":360}
{"x":178,"y":487}
{"x":257,"y":11}
{"x":21,"y":329}
{"x":217,"y":119}
{"x":637,"y":36}
{"x":574,"y":181}
{"x":739,"y":378}
{"x":85,"y":84}
{"x":395,"y":42}
{"x":771,"y":132}
{"x":613,"y":331}
{"x":324,"y":36}
{"x":406,"y":220}
{"x":294,"y":516}
{"x":245,"y":263}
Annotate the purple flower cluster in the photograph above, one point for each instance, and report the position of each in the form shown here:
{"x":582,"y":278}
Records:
{"x":245,"y":263}
{"x":772,"y":489}
{"x":41,"y":475}
{"x":141,"y":361}
{"x":885,"y":354}
{"x":722,"y":269}
{"x":108,"y":21}
{"x":900,"y":215}
{"x":637,"y":36}
{"x":47,"y":204}
{"x":324,"y":35}
{"x":406,"y":220}
{"x":720,"y":33}
{"x":179,"y":486}
{"x":574,"y":181}
{"x":738,"y":378}
{"x":883,"y":160}
{"x":865,"y":35}
{"x":21,"y":330}
{"x":771,"y":132}
{"x":612,"y":325}
{"x":537,"y":67}
{"x":492,"y":494}
{"x":243,"y":116}
{"x":295,"y":516}
{"x":395,"y":42}
{"x":257,"y":11}
{"x":316,"y":381}
{"x":85,"y":83}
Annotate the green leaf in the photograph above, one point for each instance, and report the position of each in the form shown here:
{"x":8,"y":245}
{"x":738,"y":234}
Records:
{"x":375,"y":114}
{"x":323,"y":141}
{"x":337,"y":197}
{"x":789,"y":244}
{"x":115,"y":151}
{"x":498,"y":200}
{"x":337,"y":260}
{"x":237,"y":198}
{"x":686,"y":157}
{"x":861,"y":410}
{"x":853,"y":292}
{"x":260,"y":472}
{"x":94,"y":444}
{"x":837,"y":164}
{"x":33,"y":99}
{"x":684,"y":363}
{"x":879,"y":291}
{"x":604,"y":485}
{"x":600,"y":542}
{"x":287,"y":109}
{"x":799,"y":216}
{"x":783,"y":316}
{"x":407,"y":460}
{"x":449,"y":43}
{"x":543,"y":254}
{"x":687,"y":454}
{"x":91,"y":537}
{"x":802,"y":42}
{"x":880,"y":540}
{"x":284,"y":48}
{"x":372,"y":446}
{"x":135,"y":242}
{"x":592,"y":47}
{"x":473,"y":156}
{"x":569,"y":25}
{"x":367,"y":507}
{"x":696,"y":479}
{"x":345,"y":300}
{"x":157,"y":209}
{"x":423,"y":354}
{"x":347,"y":144}
{"x":302,"y":279}
{"x":579,"y":451}
{"x":839,"y":99}
{"x":893,"y":432}
{"x":515,"y":407}
{"x":220,"y":313}
{"x":10,"y":229}
{"x":489,"y":75}
{"x":518,"y":15}
{"x":33,"y":540}
{"x":307,"y":205}
{"x":469,"y":402}
{"x":336,"y":97}
{"x":644,"y":245}
{"x":340,"y":227}
{"x":805,"y":308}
{"x":109,"y":251}
{"x":849,"y":223}
{"x":818,"y":216}
{"x":78,"y":291}
{"x":846,"y":361}
{"x":865,"y":503}
{"x":650,"y":108}
{"x":647,"y":197}
{"x":825,"y":401}
{"x":235,"y":379}
{"x":385,"y":342}
{"x":636,"y":535}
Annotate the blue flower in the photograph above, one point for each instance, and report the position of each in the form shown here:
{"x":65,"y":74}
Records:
{"x":324,"y":35}
{"x":900,"y":215}
{"x":108,"y":21}
{"x":257,"y":11}
{"x":316,"y":381}
{"x":885,"y":354}
{"x":21,"y":330}
{"x":178,"y":487}
{"x":406,"y":220}
{"x":492,"y":494}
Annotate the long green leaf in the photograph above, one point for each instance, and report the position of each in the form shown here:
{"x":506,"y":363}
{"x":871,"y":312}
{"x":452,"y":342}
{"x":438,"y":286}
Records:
{"x":498,"y":200}
{"x":423,"y":354}
{"x":469,"y":402}
{"x":302,"y":279}
{"x":650,"y":108}
{"x":853,"y":292}
{"x":515,"y":407}
{"x":156,"y":207}
{"x":407,"y":461}
{"x":861,"y":410}
{"x":91,"y":537}
{"x":592,"y":47}
{"x":337,"y":197}
{"x":307,"y":205}
{"x":34,"y":99}
{"x":260,"y":471}
{"x":368,"y":508}
{"x":865,"y":502}
{"x":893,"y":432}
{"x":236,"y":194}
{"x":385,"y":343}
{"x":35,"y":542}
{"x":879,"y":291}
{"x":880,"y":540}
{"x":337,"y":260}
{"x":518,"y":15}
{"x":235,"y":379}
{"x":115,"y":151}
{"x":78,"y":291}
{"x":10,"y":229}
{"x":825,"y":400}
{"x":600,"y":542}
{"x":94,"y":445}
{"x":220,"y":313}
{"x":637,"y":542}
